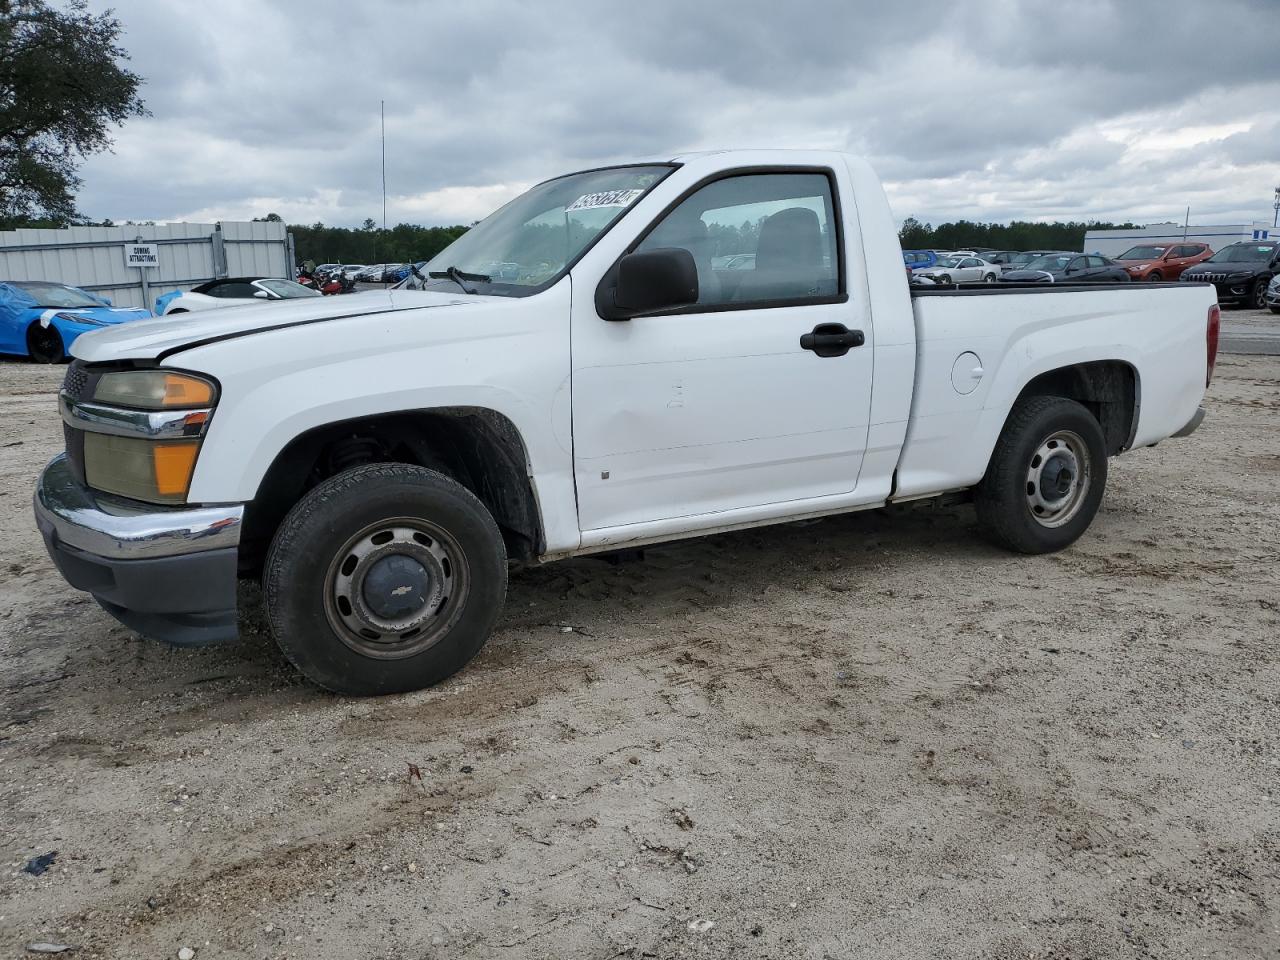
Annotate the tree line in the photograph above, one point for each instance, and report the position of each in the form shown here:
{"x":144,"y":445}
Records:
{"x":403,"y":243}
{"x":1018,"y":235}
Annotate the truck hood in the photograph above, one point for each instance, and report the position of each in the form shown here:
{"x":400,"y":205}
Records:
{"x":148,"y":339}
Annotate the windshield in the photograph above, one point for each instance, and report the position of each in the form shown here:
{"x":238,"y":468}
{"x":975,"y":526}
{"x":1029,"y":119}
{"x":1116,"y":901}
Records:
{"x":1143,"y":253}
{"x":56,"y":295}
{"x":287,"y":289}
{"x":530,"y":241}
{"x":1055,"y":262}
{"x":1244,"y":253}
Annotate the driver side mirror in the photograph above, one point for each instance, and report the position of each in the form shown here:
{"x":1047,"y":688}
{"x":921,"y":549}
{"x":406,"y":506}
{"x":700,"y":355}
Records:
{"x":658,"y":279}
{"x":262,"y":295}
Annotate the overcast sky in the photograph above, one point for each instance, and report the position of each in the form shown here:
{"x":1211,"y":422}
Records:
{"x":987,"y":110}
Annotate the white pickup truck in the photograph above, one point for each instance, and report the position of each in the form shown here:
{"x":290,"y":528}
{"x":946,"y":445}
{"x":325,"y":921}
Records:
{"x":574,"y":376}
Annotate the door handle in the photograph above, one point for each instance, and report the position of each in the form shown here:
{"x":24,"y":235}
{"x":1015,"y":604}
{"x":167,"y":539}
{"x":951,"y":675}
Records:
{"x":831,"y":340}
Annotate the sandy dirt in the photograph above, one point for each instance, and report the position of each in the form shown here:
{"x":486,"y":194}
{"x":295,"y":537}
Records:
{"x":866,"y":737}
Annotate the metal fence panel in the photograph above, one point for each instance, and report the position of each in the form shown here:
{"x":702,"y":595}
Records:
{"x":93,"y":257}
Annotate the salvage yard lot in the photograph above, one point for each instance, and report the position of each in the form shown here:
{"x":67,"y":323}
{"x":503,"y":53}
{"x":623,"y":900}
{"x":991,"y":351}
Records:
{"x":865,"y":737}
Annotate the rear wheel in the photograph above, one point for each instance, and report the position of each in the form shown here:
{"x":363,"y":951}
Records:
{"x":989,"y":278}
{"x":44,"y":344}
{"x":1046,"y":477}
{"x":385,"y":578}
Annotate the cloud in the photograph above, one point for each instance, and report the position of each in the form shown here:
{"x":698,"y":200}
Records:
{"x":1123,"y":109}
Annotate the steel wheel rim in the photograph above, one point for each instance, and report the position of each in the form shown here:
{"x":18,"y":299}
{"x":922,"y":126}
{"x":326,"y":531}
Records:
{"x":1058,"y":479}
{"x":356,"y":603}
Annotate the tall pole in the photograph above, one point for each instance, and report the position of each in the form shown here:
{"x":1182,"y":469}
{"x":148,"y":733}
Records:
{"x":383,"y":104}
{"x":1185,"y":224}
{"x":1276,"y":222}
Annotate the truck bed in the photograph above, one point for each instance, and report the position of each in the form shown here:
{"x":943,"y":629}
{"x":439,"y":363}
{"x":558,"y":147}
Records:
{"x":993,"y":289}
{"x":972,"y":363}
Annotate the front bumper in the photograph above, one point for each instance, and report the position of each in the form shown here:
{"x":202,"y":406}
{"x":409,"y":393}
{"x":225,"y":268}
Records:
{"x":1229,"y":291}
{"x":1193,"y":424}
{"x":167,"y":572}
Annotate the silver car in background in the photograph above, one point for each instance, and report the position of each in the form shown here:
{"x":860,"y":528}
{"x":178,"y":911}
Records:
{"x":962,"y":269}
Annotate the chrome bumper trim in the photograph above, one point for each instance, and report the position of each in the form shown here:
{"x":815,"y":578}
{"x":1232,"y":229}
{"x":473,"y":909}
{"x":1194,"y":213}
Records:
{"x":1192,"y":424}
{"x":120,"y":529}
{"x":119,"y":422}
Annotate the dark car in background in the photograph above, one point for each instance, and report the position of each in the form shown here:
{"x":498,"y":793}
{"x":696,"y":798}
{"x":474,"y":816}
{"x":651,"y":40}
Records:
{"x":1240,"y":272}
{"x":1067,"y":267}
{"x":1162,"y":261}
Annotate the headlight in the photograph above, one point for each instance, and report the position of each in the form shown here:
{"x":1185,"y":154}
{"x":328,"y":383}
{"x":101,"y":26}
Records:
{"x":155,"y":390}
{"x":87,"y":321}
{"x":157,"y":472}
{"x":167,"y":411}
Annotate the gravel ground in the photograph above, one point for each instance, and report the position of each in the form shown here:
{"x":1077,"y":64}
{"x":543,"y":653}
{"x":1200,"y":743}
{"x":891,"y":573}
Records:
{"x":866,"y":737}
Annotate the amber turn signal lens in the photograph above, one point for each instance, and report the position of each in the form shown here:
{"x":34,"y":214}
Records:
{"x":173,"y":463}
{"x":184,"y":391}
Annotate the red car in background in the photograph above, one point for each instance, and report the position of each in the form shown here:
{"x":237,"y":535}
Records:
{"x":1162,"y":261}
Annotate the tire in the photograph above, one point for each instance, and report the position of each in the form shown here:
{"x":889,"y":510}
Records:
{"x":989,"y":278}
{"x":174,"y":313}
{"x":329,"y":576}
{"x":945,"y":278}
{"x":44,"y":344}
{"x":1155,"y":277}
{"x":1014,"y":505}
{"x":1258,"y":295}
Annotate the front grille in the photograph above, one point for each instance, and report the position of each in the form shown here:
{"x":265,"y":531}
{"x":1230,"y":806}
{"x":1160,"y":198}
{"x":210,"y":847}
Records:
{"x":1215,"y":278}
{"x":77,"y":384}
{"x":76,"y":380}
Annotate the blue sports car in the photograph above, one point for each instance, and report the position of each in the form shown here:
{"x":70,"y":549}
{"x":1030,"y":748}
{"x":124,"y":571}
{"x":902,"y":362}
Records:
{"x":40,"y":320}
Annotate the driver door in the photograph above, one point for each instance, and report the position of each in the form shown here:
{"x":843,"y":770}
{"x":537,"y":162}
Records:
{"x":716,"y":407}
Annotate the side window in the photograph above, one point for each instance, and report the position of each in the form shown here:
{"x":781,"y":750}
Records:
{"x":970,"y":262}
{"x":757,"y":237}
{"x":1097,"y":262}
{"x":234,"y":290}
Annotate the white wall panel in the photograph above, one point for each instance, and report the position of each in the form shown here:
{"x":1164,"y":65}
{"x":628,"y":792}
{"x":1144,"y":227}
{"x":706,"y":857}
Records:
{"x":93,"y":257}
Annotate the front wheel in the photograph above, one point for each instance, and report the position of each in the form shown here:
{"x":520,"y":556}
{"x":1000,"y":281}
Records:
{"x":1155,"y":277}
{"x":1046,"y":476}
{"x":1258,"y":295}
{"x":386,"y":578}
{"x":44,"y":344}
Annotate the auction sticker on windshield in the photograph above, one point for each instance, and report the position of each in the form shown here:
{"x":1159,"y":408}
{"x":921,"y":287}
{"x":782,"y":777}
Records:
{"x":607,"y":198}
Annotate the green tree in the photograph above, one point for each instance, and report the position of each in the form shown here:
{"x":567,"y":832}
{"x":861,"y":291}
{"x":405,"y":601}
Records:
{"x":63,"y":86}
{"x":1018,"y":235}
{"x":914,"y":235}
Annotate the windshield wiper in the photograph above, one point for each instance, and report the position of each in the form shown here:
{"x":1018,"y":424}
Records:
{"x":459,"y":277}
